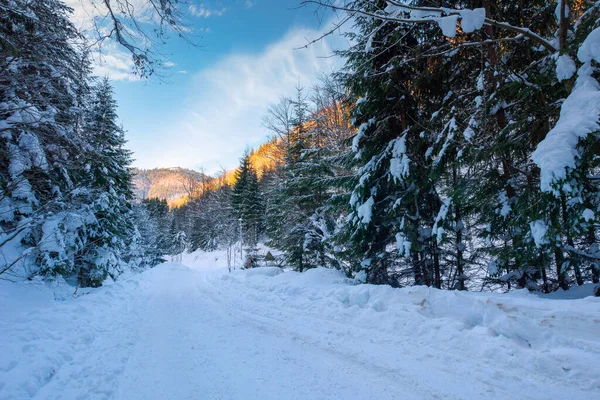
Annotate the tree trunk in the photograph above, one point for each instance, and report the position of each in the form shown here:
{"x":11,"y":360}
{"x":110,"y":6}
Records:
{"x":545,"y":287}
{"x":437,"y":280}
{"x":559,"y":260}
{"x":417,"y":271}
{"x":563,"y":25}
{"x":459,"y":244}
{"x":595,"y":263}
{"x":570,"y":243}
{"x":558,"y":255}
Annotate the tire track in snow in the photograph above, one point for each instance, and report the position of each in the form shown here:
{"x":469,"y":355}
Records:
{"x":238,"y":357}
{"x":429,"y":364}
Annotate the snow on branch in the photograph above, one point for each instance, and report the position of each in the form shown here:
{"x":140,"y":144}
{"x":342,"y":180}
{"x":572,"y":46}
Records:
{"x":471,"y":19}
{"x":579,"y":116}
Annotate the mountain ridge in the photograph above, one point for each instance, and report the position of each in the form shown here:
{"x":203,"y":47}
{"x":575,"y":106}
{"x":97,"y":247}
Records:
{"x":174,"y":184}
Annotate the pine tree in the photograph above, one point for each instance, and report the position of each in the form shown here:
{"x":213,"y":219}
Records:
{"x":158,"y":213}
{"x":109,"y":179}
{"x":44,"y":205}
{"x":461,"y":152}
{"x":246,"y":201}
{"x":214,"y":225}
{"x":145,"y":248}
{"x":176,"y":239}
{"x":288,"y":209}
{"x":392,"y":201}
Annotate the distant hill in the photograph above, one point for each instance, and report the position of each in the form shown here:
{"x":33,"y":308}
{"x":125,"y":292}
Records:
{"x":172,"y":184}
{"x":177,"y":185}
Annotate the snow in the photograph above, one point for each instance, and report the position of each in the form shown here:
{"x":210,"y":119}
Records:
{"x":399,"y":163}
{"x":360,"y":277}
{"x":588,"y":215}
{"x":354,"y":199}
{"x":557,"y":11}
{"x":506,"y":207}
{"x":590,"y":48}
{"x":565,"y":67}
{"x":468,"y":133}
{"x":538,"y":232}
{"x":423,"y":14}
{"x":578,"y":118}
{"x":369,"y":44}
{"x":6,"y":210}
{"x":403,"y":245}
{"x":451,"y":128}
{"x":23,"y":190}
{"x":472,"y":20}
{"x":32,"y":146}
{"x":264,"y":271}
{"x":492,"y":268}
{"x":480,"y":82}
{"x":428,"y":152}
{"x":448,"y":25}
{"x":365,"y":211}
{"x":361,"y":132}
{"x":437,"y":229}
{"x":52,"y":241}
{"x":576,"y":292}
{"x":198,"y":331}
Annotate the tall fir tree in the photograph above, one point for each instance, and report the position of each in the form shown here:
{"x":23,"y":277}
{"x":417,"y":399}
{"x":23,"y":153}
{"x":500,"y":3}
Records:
{"x":44,"y":206}
{"x":109,"y":178}
{"x":246,"y":202}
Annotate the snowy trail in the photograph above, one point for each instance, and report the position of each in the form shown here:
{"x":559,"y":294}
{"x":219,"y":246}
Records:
{"x":179,"y":333}
{"x":208,"y":350}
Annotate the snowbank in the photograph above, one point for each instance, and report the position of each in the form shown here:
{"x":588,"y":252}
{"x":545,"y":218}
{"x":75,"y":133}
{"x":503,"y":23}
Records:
{"x":558,"y":338}
{"x":264,"y":271}
{"x":47,"y":327}
{"x":320,"y":334}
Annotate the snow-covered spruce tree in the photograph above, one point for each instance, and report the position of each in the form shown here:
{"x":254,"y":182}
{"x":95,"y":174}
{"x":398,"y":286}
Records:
{"x":328,"y":130}
{"x":310,"y":187}
{"x":515,"y":105}
{"x":46,"y":219}
{"x":109,"y":179}
{"x":296,"y":220}
{"x":278,"y":122}
{"x":145,"y":251}
{"x":491,"y":99}
{"x":204,"y":224}
{"x":246,"y":201}
{"x":393,"y":200}
{"x":274,"y":217}
{"x":521,"y":48}
{"x":291,"y":193}
{"x":176,"y":238}
{"x":567,"y":156}
{"x":530,"y":233}
{"x":158,"y":212}
{"x":213,"y":222}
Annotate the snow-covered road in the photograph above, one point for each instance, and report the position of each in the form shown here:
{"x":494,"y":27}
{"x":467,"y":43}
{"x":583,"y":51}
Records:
{"x":193,"y":343}
{"x":201,"y":333}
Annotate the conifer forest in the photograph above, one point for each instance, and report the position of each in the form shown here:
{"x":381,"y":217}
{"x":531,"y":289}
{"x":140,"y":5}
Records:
{"x":445,"y":177}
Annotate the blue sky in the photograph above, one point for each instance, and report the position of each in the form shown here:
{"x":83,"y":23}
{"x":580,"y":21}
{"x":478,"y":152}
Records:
{"x":210,"y":110}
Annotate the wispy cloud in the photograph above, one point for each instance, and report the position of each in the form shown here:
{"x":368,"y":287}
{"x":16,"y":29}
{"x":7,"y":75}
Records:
{"x":203,"y":11}
{"x":113,"y":62}
{"x":84,"y":11}
{"x":226,"y":102}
